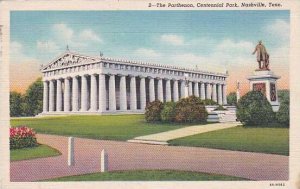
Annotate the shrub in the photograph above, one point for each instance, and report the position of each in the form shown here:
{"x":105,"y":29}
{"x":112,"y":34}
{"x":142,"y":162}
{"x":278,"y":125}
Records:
{"x":253,"y":109}
{"x":22,"y":137}
{"x":283,"y":114}
{"x":153,"y":110}
{"x":209,"y":102}
{"x":231,"y":99}
{"x":190,"y":109}
{"x":168,"y":112}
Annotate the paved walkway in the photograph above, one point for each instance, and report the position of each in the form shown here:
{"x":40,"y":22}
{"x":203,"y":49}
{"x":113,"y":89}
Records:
{"x":131,"y":156}
{"x":164,"y":137}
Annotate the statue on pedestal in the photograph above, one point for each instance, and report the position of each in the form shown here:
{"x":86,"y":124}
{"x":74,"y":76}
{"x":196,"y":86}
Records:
{"x":262,"y":56}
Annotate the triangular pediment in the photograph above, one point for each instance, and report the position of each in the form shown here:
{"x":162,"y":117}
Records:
{"x":69,"y":59}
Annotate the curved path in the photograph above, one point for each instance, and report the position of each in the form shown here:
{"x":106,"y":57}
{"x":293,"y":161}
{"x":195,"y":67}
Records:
{"x":128,"y":156}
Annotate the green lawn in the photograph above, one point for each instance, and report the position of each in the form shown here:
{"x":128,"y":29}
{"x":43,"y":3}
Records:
{"x":32,"y":153}
{"x":149,"y":175}
{"x":264,"y":140}
{"x":108,"y":127}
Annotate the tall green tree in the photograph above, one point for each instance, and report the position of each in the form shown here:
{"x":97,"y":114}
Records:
{"x":283,"y":114}
{"x":15,"y":100}
{"x":34,"y":98}
{"x":231,"y":99}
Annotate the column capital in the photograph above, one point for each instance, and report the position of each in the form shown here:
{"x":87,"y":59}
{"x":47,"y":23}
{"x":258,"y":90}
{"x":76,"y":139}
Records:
{"x":149,"y":77}
{"x":121,"y":75}
{"x":142,"y":76}
{"x":130,"y":75}
{"x":95,"y":74}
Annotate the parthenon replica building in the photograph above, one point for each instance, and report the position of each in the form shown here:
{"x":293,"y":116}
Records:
{"x":79,"y":84}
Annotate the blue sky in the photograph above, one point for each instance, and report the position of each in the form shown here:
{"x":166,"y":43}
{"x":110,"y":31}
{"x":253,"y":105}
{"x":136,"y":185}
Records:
{"x":212,"y":40}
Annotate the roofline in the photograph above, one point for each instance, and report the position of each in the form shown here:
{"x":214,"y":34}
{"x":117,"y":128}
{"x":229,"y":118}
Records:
{"x":99,"y":59}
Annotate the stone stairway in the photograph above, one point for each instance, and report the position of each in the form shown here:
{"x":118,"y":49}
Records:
{"x":227,"y":117}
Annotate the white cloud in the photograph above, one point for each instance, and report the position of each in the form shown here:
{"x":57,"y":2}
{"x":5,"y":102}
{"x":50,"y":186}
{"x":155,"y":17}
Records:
{"x":229,"y":45}
{"x":143,"y":52}
{"x":47,"y":46}
{"x":17,"y":53}
{"x":62,"y":31}
{"x":65,"y":35}
{"x":89,"y":35}
{"x":279,"y":30}
{"x":172,"y":39}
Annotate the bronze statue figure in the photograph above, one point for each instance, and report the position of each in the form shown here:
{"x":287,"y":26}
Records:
{"x":262,"y":56}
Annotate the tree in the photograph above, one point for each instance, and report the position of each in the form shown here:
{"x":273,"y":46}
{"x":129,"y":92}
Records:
{"x":15,"y":100}
{"x":283,"y":114}
{"x":283,"y":95}
{"x":34,"y":98}
{"x":231,"y":99}
{"x":254,"y":109}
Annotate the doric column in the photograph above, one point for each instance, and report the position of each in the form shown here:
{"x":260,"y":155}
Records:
{"x":151,"y":90}
{"x":45,"y":96}
{"x":75,"y":94}
{"x":214,"y":92}
{"x":143,"y":93}
{"x":123,"y":96}
{"x":67,"y":95}
{"x":51,"y":96}
{"x":202,"y":91}
{"x":184,"y":89}
{"x":196,"y":89}
{"x":175,"y":91}
{"x":190,"y":88}
{"x":102,"y":93}
{"x":93,"y":104}
{"x":84,"y":93}
{"x":208,"y":91}
{"x":160,"y":92}
{"x":220,"y":94}
{"x":224,"y":94}
{"x":112,"y":93}
{"x":168,"y":91}
{"x":58,"y":96}
{"x":132,"y":93}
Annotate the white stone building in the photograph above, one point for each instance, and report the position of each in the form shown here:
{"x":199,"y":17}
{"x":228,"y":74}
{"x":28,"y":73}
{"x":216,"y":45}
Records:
{"x":79,"y":84}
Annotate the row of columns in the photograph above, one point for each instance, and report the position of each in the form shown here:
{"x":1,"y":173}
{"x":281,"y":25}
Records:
{"x":96,"y":100}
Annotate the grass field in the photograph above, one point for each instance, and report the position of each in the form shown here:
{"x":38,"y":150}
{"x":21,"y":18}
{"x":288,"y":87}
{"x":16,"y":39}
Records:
{"x":108,"y":127}
{"x":264,"y":140}
{"x":32,"y":153}
{"x":149,"y":175}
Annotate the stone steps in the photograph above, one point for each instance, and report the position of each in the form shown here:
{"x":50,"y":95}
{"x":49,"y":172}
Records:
{"x":231,"y":117}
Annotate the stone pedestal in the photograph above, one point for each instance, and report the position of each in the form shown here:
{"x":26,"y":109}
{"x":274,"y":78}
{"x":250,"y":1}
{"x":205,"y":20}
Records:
{"x":266,"y":82}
